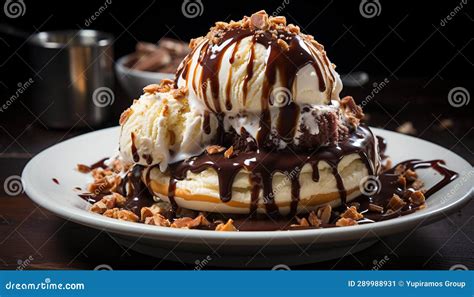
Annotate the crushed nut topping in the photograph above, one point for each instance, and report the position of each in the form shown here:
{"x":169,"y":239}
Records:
{"x":229,"y":152}
{"x":229,"y":226}
{"x":396,"y":203}
{"x":157,"y":220}
{"x":313,"y":219}
{"x":342,"y":222}
{"x":284,"y":46}
{"x":147,"y":212}
{"x":83,"y":168}
{"x":352,"y":213}
{"x":125,"y":115}
{"x":417,"y":198}
{"x":190,"y":223}
{"x":324,"y":213}
{"x":215,"y":149}
{"x":259,"y":20}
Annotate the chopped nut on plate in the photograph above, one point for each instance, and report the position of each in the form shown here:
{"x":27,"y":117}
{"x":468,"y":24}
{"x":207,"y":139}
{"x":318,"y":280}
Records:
{"x":215,"y":149}
{"x":229,"y":226}
{"x":157,"y":220}
{"x":396,"y":203}
{"x":313,"y":219}
{"x":324,"y":213}
{"x":342,"y":222}
{"x":417,"y":198}
{"x":352,"y":213}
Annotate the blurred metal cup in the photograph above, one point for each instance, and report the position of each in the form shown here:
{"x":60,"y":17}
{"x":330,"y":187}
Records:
{"x":74,"y":86}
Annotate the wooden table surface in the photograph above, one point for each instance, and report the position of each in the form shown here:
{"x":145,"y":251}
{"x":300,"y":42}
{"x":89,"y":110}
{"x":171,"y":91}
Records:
{"x":33,"y":238}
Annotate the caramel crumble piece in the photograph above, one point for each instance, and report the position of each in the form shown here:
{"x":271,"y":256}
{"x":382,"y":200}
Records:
{"x":127,"y":215}
{"x":352,"y":213}
{"x":98,"y":207}
{"x":396,"y":203}
{"x":195,"y":42}
{"x":180,"y":93}
{"x":214,"y":149}
{"x":284,"y":46}
{"x":324,"y":213}
{"x":417,"y":198}
{"x":229,"y":152}
{"x":375,"y":208}
{"x":114,"y":200}
{"x":313,"y":220}
{"x":190,"y":223}
{"x":342,"y":222}
{"x":303,"y":222}
{"x":150,"y":89}
{"x":229,"y":226}
{"x":351,"y":108}
{"x":83,"y":168}
{"x":157,"y":220}
{"x":146,"y":212}
{"x":278,"y":20}
{"x":402,"y":181}
{"x":294,"y":29}
{"x":400,"y":169}
{"x":410,"y":175}
{"x":259,"y":20}
{"x":111,"y":213}
{"x":125,"y":115}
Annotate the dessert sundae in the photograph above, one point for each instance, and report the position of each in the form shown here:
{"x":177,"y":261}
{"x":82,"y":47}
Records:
{"x":252,"y":135}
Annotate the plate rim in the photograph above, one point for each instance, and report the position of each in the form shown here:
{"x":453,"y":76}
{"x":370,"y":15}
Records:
{"x":237,"y":238}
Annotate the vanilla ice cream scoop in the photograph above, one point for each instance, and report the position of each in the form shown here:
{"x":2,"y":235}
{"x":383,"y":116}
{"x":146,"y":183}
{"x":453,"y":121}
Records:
{"x":161,"y":128}
{"x":263,"y":69}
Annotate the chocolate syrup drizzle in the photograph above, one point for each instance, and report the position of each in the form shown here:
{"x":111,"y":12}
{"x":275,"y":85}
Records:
{"x":262,"y":165}
{"x":285,"y":63}
{"x":138,"y":195}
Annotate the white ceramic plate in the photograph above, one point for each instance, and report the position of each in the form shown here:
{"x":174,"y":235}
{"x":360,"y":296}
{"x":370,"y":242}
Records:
{"x":235,"y":248}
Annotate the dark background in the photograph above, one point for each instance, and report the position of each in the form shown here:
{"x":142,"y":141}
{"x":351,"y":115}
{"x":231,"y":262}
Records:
{"x":406,"y":43}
